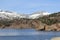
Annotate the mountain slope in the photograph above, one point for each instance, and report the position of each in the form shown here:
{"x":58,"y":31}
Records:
{"x":38,"y":14}
{"x":10,"y":15}
{"x":51,"y":19}
{"x":40,"y":22}
{"x":13,"y":15}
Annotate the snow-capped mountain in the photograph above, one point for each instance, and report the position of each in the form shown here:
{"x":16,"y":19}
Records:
{"x":14,"y":15}
{"x":10,"y":15}
{"x":38,"y":14}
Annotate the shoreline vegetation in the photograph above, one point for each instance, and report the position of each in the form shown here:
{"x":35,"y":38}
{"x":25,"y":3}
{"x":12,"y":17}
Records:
{"x":46,"y":23}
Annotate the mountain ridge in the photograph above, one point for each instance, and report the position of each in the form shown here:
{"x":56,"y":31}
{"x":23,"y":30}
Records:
{"x":49,"y":22}
{"x":11,"y":15}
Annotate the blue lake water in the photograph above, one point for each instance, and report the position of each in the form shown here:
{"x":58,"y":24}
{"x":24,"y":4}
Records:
{"x":26,"y":34}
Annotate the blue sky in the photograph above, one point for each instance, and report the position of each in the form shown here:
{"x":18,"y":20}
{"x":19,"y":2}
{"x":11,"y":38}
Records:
{"x":30,"y":6}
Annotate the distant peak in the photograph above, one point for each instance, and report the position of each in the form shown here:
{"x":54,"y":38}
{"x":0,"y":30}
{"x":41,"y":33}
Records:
{"x":38,"y":14}
{"x":6,"y":11}
{"x":41,"y":12}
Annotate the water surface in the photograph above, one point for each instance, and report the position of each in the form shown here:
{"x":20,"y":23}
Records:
{"x":26,"y":34}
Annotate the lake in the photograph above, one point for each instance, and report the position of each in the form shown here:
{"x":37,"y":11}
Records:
{"x":26,"y":34}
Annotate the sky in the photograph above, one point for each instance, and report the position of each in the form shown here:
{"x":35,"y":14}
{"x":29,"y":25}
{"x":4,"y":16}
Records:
{"x":30,"y":6}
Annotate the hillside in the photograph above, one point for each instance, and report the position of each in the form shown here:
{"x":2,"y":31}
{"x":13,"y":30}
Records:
{"x":52,"y":21}
{"x":42,"y":23}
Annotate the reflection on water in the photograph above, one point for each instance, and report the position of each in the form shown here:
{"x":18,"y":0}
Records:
{"x":26,"y":34}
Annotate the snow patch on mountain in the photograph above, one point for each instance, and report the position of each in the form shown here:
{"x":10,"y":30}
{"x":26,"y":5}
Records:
{"x":10,"y":15}
{"x":38,"y":14}
{"x":14,"y":15}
